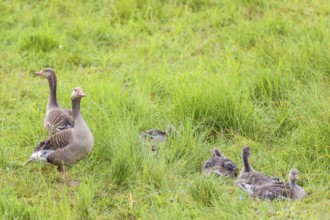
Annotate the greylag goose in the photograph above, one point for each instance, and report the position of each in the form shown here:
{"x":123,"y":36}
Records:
{"x":68,"y":146}
{"x":219,"y":165}
{"x":156,"y":135}
{"x":277,"y":190}
{"x":248,"y":175}
{"x":57,"y":118}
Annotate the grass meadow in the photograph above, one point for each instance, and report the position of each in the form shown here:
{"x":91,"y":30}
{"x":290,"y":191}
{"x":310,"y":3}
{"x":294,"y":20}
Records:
{"x":224,"y":73}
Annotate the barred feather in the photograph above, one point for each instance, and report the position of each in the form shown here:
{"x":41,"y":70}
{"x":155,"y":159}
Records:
{"x":58,"y":119}
{"x":56,"y":141}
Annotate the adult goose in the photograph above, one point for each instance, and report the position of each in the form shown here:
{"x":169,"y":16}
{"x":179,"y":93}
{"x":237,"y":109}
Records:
{"x":57,"y":118}
{"x":219,"y":165}
{"x":156,"y":135}
{"x":277,"y":190}
{"x":248,"y":175}
{"x":68,"y":146}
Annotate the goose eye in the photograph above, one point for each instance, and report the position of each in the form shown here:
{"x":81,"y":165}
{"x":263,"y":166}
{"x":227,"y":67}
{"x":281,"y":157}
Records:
{"x":75,"y":90}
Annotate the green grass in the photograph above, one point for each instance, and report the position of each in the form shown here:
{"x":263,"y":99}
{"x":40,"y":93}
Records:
{"x":224,"y":73}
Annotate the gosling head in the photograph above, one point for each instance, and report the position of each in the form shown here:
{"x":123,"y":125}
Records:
{"x":39,"y":157}
{"x":216,"y":152}
{"x":294,"y":175}
{"x":47,"y":73}
{"x":77,"y":93}
{"x":246,"y":151}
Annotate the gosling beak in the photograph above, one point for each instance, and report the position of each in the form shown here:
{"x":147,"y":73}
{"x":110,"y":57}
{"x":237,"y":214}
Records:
{"x":40,"y":73}
{"x":296,"y":177}
{"x":81,"y":94}
{"x":29,"y":161}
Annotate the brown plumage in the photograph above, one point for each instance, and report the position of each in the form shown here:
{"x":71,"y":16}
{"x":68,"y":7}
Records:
{"x":277,"y":190}
{"x":219,"y":165}
{"x":57,"y":118}
{"x":248,"y":175}
{"x":67,"y":146}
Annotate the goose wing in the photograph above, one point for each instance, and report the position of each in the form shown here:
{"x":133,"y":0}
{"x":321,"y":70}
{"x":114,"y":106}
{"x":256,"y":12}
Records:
{"x":56,"y":141}
{"x":253,"y":178}
{"x":59,"y":119}
{"x":269,"y":191}
{"x":272,"y":191}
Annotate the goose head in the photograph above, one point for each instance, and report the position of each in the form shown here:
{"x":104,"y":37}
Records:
{"x":47,"y":73}
{"x":294,"y":175}
{"x":246,"y":151}
{"x":77,"y":93}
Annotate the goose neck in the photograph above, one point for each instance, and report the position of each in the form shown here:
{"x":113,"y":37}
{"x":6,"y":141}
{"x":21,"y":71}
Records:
{"x":246,"y":163}
{"x":52,"y":82}
{"x":293,"y":183}
{"x":76,"y":109}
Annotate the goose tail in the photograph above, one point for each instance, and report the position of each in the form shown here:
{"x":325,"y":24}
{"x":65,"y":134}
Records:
{"x":39,"y":157}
